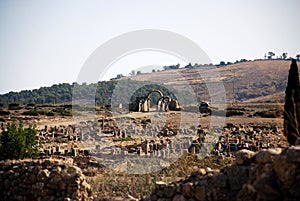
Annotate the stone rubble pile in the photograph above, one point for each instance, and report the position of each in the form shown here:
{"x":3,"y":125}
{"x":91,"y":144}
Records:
{"x":48,"y":180}
{"x":272,"y":174}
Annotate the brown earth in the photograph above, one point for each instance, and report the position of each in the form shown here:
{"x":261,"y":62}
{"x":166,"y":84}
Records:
{"x":259,"y":80}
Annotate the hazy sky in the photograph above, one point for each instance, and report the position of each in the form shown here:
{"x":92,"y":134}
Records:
{"x":44,"y":42}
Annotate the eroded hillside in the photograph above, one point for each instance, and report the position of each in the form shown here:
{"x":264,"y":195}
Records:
{"x":261,"y":80}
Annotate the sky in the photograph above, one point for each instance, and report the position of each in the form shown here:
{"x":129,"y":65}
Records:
{"x":45,"y":42}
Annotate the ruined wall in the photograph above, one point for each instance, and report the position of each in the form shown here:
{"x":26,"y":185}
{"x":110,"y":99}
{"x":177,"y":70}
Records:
{"x":272,"y":174}
{"x":46,"y":180}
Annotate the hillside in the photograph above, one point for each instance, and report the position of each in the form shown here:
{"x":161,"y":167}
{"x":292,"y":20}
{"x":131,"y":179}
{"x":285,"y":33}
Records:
{"x":252,"y":81}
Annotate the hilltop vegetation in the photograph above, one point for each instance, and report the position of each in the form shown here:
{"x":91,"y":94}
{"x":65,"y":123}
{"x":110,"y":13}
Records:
{"x":260,"y":80}
{"x":123,"y":91}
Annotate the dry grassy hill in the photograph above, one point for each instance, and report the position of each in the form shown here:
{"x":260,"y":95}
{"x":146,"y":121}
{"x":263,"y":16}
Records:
{"x":260,"y":80}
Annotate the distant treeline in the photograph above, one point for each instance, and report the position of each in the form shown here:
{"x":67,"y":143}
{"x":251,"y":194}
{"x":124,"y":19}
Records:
{"x":104,"y":93}
{"x":190,"y":65}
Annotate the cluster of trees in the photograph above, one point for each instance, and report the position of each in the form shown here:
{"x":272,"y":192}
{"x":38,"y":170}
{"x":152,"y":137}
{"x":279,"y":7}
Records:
{"x":101,"y":92}
{"x":283,"y":56}
{"x":17,"y":142}
{"x":171,"y":67}
{"x":292,"y":105}
{"x":60,"y":93}
{"x":133,"y":72}
{"x":222,"y":63}
{"x":57,"y":93}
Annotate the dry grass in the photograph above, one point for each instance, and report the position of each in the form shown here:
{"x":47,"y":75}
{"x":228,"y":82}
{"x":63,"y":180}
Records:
{"x":261,"y":80}
{"x":116,"y":184}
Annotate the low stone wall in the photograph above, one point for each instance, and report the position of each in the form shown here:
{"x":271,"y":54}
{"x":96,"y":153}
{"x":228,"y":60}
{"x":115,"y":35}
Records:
{"x":49,"y":180}
{"x":272,"y":174}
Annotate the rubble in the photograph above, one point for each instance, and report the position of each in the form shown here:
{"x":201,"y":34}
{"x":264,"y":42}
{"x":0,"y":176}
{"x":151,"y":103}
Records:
{"x":42,"y":180}
{"x":271,"y":174}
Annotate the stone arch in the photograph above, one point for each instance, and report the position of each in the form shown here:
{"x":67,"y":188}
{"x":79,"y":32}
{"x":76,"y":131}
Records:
{"x":162,"y":105}
{"x":148,"y":98}
{"x":155,"y":90}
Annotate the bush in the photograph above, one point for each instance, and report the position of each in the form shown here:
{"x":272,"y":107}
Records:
{"x":14,"y":106}
{"x":123,"y":139}
{"x":268,"y":114}
{"x":38,"y":111}
{"x":17,"y":142}
{"x":4,"y":112}
{"x":146,"y":121}
{"x":230,"y":113}
{"x":31,"y":113}
{"x":30,"y":105}
{"x":50,"y":113}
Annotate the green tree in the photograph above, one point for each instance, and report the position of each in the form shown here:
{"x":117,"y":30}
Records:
{"x":271,"y":54}
{"x":284,"y":55}
{"x":292,"y":105}
{"x":17,"y":142}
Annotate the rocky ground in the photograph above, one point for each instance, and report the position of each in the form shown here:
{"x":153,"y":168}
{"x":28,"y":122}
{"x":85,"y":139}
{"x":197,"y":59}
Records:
{"x":250,"y":127}
{"x":271,"y":174}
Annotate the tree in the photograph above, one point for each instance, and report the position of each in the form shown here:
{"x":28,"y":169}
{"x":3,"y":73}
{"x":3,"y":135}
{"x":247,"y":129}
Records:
{"x":271,"y":54}
{"x":153,"y":70}
{"x":292,"y":105}
{"x":120,"y":76}
{"x":138,"y":72}
{"x":222,"y":63}
{"x":17,"y":142}
{"x":189,"y":66}
{"x":284,"y":55}
{"x":132,"y":73}
{"x":298,"y":57}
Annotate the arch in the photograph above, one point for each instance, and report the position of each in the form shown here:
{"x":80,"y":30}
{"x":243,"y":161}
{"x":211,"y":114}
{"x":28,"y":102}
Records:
{"x":162,"y":105}
{"x":155,"y":90}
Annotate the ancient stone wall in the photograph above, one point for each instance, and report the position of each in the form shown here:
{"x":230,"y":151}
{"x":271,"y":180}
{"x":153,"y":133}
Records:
{"x":48,"y":180}
{"x":272,"y":174}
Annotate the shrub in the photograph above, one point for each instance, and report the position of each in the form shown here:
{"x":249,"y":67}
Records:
{"x":230,"y":113}
{"x":17,"y":142}
{"x":146,"y":121}
{"x":268,"y":114}
{"x":30,"y":105}
{"x":14,"y":106}
{"x":123,"y":139}
{"x":4,"y":112}
{"x":31,"y":113}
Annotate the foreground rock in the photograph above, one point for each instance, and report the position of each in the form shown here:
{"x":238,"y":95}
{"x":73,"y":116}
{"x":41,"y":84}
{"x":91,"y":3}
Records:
{"x":49,"y":180}
{"x":272,"y":174}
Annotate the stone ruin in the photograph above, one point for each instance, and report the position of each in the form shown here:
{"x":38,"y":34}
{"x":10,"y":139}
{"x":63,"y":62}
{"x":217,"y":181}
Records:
{"x":42,"y":180}
{"x":271,"y":174}
{"x":164,"y":103}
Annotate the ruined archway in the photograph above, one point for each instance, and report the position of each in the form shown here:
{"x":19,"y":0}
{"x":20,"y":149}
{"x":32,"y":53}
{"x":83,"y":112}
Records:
{"x":155,"y":90}
{"x":163,"y":103}
{"x":161,"y":95}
